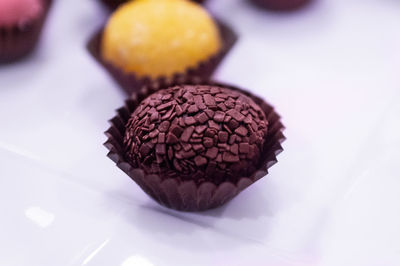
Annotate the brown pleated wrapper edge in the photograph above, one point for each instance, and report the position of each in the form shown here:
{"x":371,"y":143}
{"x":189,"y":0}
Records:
{"x":187,"y":195}
{"x":281,"y":5}
{"x":17,"y":42}
{"x":113,"y":4}
{"x":131,"y":83}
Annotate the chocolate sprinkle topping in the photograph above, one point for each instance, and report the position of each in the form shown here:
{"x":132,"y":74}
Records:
{"x":201,"y":133}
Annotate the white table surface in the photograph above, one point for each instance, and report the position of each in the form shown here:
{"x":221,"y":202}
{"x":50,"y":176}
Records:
{"x":332,"y":70}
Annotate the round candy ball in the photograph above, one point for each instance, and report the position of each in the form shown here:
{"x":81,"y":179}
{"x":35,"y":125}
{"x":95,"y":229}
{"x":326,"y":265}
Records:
{"x":18,"y":12}
{"x":159,"y":37}
{"x":196,"y":132}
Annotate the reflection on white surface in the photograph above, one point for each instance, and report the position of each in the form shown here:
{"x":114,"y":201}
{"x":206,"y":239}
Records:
{"x":19,"y":151}
{"x":39,"y":216}
{"x":97,"y":250}
{"x":137,"y":260}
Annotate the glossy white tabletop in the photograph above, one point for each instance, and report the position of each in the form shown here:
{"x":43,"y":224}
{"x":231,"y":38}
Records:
{"x":331,"y":70}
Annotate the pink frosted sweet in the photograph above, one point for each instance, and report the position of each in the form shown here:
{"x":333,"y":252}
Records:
{"x":17,"y":12}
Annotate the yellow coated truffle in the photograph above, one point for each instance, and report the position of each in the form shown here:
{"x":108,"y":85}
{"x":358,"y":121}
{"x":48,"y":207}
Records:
{"x":159,"y":37}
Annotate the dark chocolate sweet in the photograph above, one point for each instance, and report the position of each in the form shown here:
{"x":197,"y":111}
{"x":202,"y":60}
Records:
{"x":196,"y":132}
{"x":194,"y":147}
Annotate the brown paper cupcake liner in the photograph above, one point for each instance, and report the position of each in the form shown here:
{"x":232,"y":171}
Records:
{"x":113,"y":4}
{"x":131,"y":83}
{"x":187,"y":195}
{"x":17,"y":42}
{"x":281,"y":5}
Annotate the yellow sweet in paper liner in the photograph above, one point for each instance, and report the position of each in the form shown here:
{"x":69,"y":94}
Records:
{"x":159,"y":37}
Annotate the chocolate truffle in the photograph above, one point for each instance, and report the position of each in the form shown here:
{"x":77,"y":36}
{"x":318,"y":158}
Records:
{"x":281,"y":5}
{"x":194,"y":147}
{"x":196,"y":132}
{"x":159,"y":38}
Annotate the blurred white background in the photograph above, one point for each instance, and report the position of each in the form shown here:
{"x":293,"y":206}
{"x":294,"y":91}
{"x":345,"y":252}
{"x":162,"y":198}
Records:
{"x":331,"y":70}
